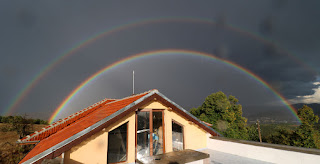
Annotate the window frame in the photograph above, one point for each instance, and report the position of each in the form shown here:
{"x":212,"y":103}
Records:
{"x":150,"y":110}
{"x":183,"y":136}
{"x":126,"y":143}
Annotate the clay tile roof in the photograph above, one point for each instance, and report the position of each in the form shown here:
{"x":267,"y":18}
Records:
{"x":56,"y":126}
{"x":75,"y":123}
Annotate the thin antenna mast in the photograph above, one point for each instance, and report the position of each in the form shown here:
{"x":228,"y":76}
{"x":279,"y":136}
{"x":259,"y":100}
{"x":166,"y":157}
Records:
{"x":133,"y":82}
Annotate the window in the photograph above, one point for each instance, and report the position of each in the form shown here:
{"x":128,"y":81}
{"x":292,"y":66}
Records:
{"x":150,"y":133}
{"x":177,"y":136}
{"x":117,"y":144}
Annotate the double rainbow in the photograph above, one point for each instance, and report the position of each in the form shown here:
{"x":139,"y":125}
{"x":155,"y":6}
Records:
{"x":16,"y":101}
{"x":124,"y":61}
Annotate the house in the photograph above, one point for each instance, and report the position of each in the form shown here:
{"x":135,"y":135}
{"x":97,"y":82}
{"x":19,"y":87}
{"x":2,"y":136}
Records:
{"x":120,"y":130}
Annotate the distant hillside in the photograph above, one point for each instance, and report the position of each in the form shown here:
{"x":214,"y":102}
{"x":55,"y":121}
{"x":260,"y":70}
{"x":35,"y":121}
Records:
{"x":314,"y":106}
{"x":274,"y":114}
{"x":10,"y":151}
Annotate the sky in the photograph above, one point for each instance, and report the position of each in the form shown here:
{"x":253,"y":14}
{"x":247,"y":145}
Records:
{"x":48,"y":48}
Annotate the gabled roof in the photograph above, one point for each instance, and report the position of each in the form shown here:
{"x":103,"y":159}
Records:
{"x":63,"y":135}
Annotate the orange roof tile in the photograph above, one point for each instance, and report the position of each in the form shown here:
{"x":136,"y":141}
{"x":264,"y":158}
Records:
{"x":73,"y":124}
{"x":56,"y":126}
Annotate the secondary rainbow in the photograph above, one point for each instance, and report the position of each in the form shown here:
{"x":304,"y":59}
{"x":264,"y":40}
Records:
{"x":169,"y":52}
{"x":16,"y":101}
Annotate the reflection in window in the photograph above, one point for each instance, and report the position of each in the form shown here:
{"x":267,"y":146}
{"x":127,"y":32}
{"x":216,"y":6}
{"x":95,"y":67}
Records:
{"x":117,"y":144}
{"x":143,"y":132}
{"x":177,"y":137}
{"x":157,"y":135}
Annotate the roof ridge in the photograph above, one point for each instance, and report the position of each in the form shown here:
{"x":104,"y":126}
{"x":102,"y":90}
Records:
{"x":132,"y":96}
{"x":64,"y":122}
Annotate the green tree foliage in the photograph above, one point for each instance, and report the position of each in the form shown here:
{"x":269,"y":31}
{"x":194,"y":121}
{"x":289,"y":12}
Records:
{"x":253,"y":134}
{"x":282,"y":136}
{"x":224,"y":113}
{"x":304,"y":136}
{"x":308,"y":118}
{"x":21,"y":125}
{"x":6,"y":119}
{"x":10,"y":119}
{"x":39,"y":121}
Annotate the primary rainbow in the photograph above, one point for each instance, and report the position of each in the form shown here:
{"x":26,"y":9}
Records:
{"x":169,"y":52}
{"x":14,"y":103}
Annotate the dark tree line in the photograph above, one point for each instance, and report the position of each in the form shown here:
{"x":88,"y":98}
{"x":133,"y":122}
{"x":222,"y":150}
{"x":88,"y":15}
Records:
{"x":21,"y":124}
{"x":225,"y":115}
{"x":9,"y":119}
{"x":306,"y":135}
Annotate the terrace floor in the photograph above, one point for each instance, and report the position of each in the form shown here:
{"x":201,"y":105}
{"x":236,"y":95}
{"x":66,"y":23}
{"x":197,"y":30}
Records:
{"x":217,"y":157}
{"x":194,"y":157}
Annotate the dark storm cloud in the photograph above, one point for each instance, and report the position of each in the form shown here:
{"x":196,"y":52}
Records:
{"x":300,"y":27}
{"x":33,"y":34}
{"x":281,"y":63}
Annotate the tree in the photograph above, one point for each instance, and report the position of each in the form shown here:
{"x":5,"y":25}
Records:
{"x":6,"y":119}
{"x":224,"y":113}
{"x":253,"y":133}
{"x":306,"y":135}
{"x":282,"y":136}
{"x":21,"y":125}
{"x":44,"y":122}
{"x":308,"y":118}
{"x":37,"y":121}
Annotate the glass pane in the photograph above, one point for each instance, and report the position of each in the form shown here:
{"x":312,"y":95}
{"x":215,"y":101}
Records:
{"x":117,"y":144}
{"x":177,"y":137}
{"x":143,"y":142}
{"x":143,"y":121}
{"x":157,"y":135}
{"x":143,"y":145}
